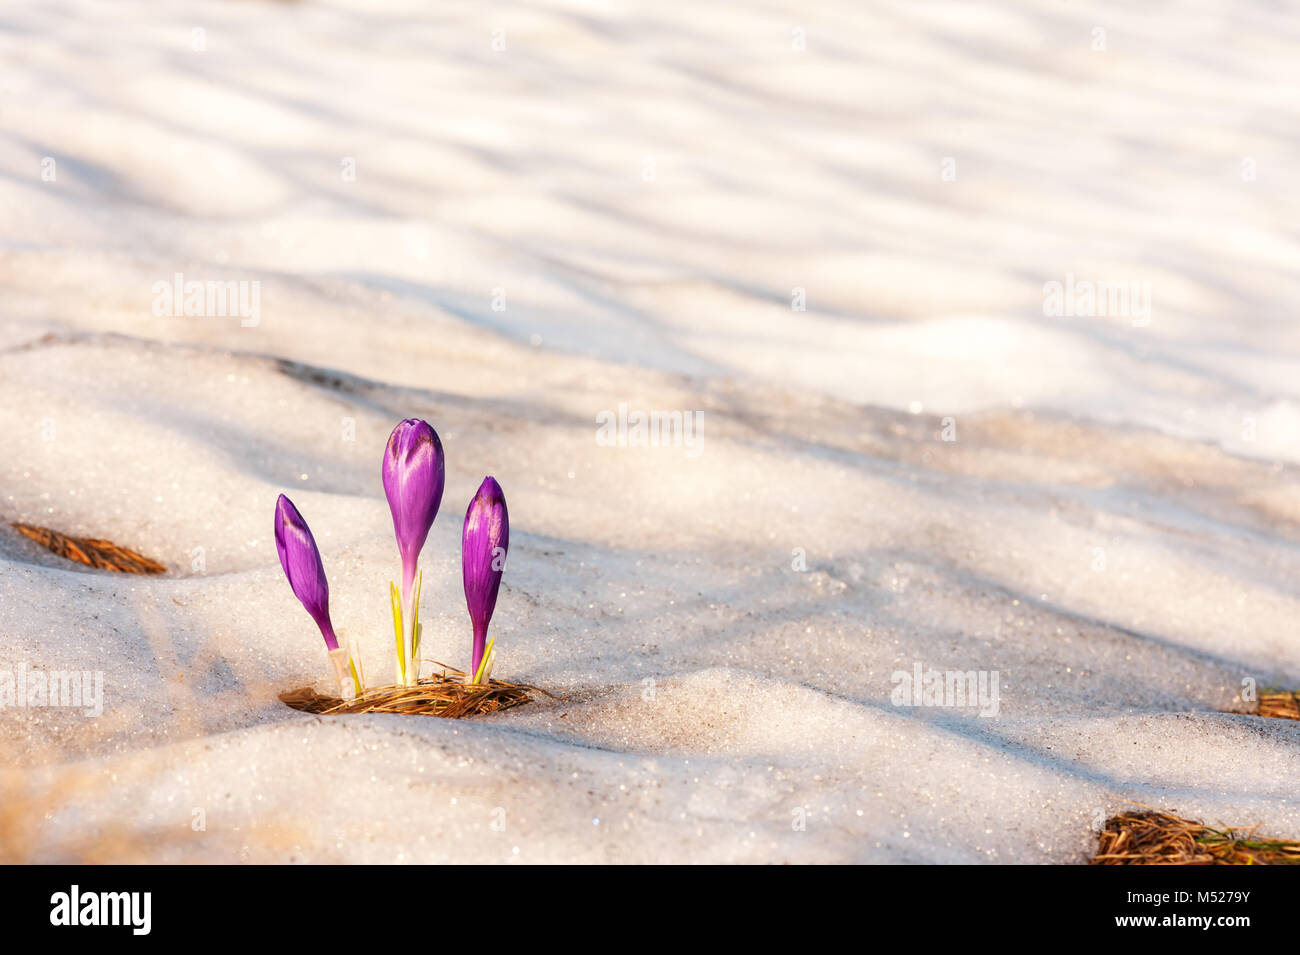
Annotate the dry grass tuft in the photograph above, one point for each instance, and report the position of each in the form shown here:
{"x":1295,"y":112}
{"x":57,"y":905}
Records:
{"x":446,"y":695}
{"x":1160,"y":838}
{"x":1281,"y":705}
{"x":102,"y":554}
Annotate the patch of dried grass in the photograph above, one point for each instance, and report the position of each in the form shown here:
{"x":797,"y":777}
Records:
{"x":447,"y":695}
{"x":1284,"y":705}
{"x":93,"y":552}
{"x":1155,"y":837}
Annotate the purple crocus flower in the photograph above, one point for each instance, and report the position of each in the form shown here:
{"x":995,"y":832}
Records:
{"x":484,"y":543}
{"x":414,"y":473}
{"x":301,"y":561}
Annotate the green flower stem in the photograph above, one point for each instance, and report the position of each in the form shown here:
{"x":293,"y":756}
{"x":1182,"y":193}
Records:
{"x":399,"y":665}
{"x":413,"y":665}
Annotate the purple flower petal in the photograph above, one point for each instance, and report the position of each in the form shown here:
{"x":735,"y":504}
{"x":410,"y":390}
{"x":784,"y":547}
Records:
{"x":414,"y":473}
{"x":301,"y":561}
{"x":484,"y":543}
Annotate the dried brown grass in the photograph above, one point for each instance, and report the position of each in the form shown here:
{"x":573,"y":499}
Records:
{"x":91,"y":551}
{"x":1283,"y":705}
{"x":1154,"y":837}
{"x":446,"y":695}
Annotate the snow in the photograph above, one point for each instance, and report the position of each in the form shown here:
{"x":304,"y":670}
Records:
{"x":1114,"y":531}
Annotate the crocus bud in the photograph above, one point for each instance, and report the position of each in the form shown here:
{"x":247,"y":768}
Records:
{"x":414,"y":473}
{"x":302,"y":565}
{"x":483,"y":547}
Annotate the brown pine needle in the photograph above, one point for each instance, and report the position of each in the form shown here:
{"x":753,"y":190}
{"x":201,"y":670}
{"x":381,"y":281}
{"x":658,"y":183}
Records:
{"x":1161,"y":838}
{"x":1285,"y":706}
{"x":446,"y":695}
{"x":102,"y":554}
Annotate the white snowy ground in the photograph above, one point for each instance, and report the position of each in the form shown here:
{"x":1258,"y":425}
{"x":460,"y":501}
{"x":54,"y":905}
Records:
{"x":1115,"y":530}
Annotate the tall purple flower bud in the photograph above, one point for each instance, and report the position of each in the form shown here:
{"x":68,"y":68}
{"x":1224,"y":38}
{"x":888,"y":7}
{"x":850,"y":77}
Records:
{"x":301,"y":561}
{"x":484,"y":543}
{"x":414,"y":474}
